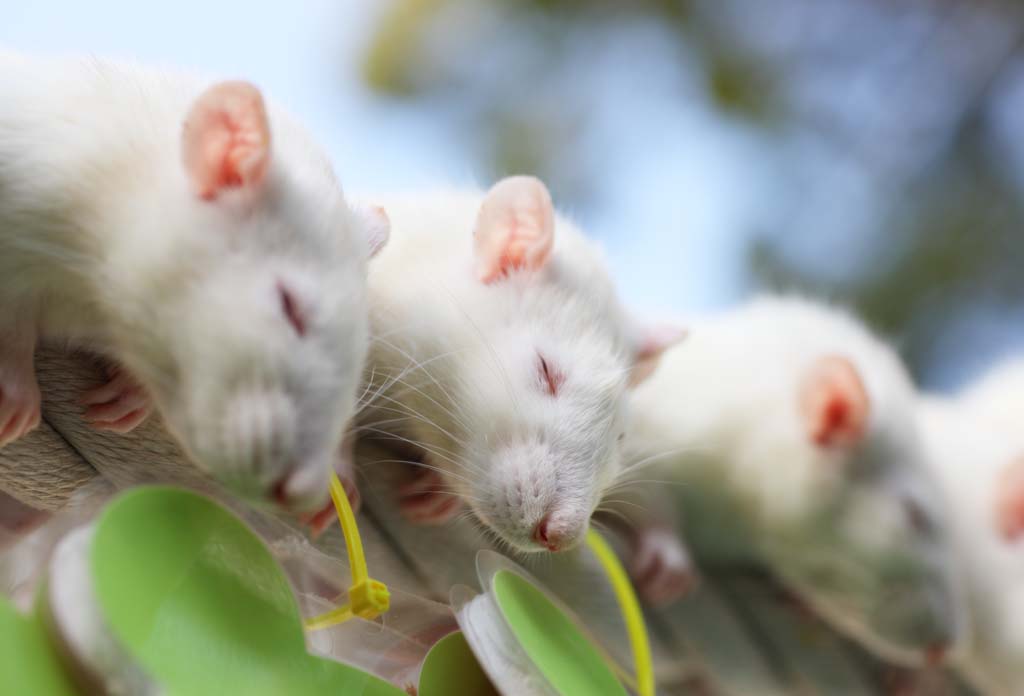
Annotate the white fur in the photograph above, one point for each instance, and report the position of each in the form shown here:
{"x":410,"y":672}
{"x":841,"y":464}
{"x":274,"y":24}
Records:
{"x":970,"y":445}
{"x":103,"y":245}
{"x":998,"y":399}
{"x":722,"y":415}
{"x":457,"y":362}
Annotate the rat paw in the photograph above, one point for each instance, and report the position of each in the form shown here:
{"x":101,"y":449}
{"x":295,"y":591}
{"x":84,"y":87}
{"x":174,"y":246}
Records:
{"x":319,"y":521}
{"x":20,"y":401}
{"x":426,"y":500}
{"x":119,"y":405}
{"x":661,"y":567}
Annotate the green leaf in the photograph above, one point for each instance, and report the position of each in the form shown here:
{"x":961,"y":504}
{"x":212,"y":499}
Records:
{"x":28,"y":664}
{"x":200,"y":602}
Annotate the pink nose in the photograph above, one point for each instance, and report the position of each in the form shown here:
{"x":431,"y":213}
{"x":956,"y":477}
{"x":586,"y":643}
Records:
{"x":547,"y":537}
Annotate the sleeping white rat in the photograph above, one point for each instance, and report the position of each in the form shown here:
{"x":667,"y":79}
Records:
{"x":976,"y":446}
{"x":199,"y":239}
{"x":501,"y":358}
{"x":792,"y":431}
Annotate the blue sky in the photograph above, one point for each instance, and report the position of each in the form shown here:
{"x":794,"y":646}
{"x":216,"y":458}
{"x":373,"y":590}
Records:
{"x":658,"y":203}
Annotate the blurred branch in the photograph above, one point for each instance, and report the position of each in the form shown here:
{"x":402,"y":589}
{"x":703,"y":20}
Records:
{"x":396,"y":44}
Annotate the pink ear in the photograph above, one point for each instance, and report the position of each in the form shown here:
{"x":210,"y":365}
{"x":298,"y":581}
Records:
{"x":226,"y":141}
{"x":1010,"y":502}
{"x":378,"y":227}
{"x":834,"y":403}
{"x":652,"y":342}
{"x":515,"y":228}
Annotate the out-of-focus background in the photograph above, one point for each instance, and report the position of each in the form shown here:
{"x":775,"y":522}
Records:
{"x":867,"y":151}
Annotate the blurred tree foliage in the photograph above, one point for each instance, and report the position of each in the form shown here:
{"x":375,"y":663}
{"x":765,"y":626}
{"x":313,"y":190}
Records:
{"x":892,"y":124}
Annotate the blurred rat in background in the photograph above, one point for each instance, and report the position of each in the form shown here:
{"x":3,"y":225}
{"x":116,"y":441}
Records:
{"x":791,"y":432}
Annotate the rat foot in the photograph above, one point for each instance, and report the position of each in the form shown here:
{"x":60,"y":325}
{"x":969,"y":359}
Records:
{"x":19,"y":400}
{"x":426,"y":499}
{"x":319,"y":521}
{"x":661,"y":567}
{"x":119,"y":405}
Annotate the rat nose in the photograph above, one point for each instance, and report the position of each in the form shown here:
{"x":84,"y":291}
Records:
{"x":548,"y":536}
{"x":300,"y":490}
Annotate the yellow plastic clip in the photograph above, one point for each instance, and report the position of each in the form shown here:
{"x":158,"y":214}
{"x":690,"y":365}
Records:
{"x":367,"y":598}
{"x":631,"y":613}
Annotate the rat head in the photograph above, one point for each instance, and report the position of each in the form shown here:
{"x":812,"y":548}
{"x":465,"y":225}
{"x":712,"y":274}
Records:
{"x":546,"y":357}
{"x":246,"y":316}
{"x":860,"y":529}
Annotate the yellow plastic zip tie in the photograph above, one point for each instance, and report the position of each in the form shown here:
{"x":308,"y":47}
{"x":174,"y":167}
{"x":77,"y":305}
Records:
{"x":631,"y":613}
{"x":367,"y":598}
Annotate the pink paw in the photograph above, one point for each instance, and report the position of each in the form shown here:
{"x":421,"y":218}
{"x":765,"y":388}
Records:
{"x":661,"y":567}
{"x":19,"y":404}
{"x":426,"y":499}
{"x":119,"y":405}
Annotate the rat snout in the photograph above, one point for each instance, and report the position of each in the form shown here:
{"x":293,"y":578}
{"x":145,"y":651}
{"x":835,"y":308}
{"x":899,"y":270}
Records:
{"x":557,"y":533}
{"x":535,"y":499}
{"x":545,"y":536}
{"x":257,"y":451}
{"x":302,"y":489}
{"x":923,"y":623}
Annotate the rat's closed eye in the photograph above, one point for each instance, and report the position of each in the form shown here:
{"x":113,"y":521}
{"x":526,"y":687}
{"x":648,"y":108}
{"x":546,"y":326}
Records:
{"x":292,"y":309}
{"x":550,"y":377}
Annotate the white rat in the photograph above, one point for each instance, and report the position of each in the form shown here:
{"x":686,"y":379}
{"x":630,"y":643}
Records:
{"x":979,"y":457}
{"x":791,"y":429}
{"x":200,"y":241}
{"x":502,"y":359}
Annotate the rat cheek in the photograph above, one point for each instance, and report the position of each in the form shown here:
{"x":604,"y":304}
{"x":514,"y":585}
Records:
{"x":480,"y":506}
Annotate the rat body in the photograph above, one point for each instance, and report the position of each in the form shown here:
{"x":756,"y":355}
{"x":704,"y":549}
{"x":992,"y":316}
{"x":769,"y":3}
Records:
{"x":501,"y":361}
{"x":200,"y":241}
{"x":977,"y":449}
{"x":791,"y":431}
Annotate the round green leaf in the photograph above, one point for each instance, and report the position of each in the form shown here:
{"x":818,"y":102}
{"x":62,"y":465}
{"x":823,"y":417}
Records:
{"x":451,"y":668}
{"x":28,"y":664}
{"x":202,"y":605}
{"x":566,"y":658}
